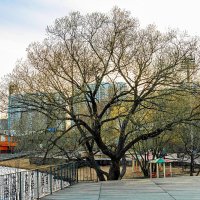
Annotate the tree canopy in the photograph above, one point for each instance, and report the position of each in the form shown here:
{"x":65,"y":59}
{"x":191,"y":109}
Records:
{"x":109,"y":77}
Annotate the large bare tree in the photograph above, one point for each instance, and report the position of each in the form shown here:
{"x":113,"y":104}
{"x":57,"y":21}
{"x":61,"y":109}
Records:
{"x":84,"y":53}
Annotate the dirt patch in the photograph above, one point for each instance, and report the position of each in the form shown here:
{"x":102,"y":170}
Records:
{"x":83,"y":173}
{"x":23,"y":163}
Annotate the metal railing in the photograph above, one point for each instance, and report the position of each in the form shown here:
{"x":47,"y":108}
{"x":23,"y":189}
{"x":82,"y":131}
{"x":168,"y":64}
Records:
{"x":34,"y":184}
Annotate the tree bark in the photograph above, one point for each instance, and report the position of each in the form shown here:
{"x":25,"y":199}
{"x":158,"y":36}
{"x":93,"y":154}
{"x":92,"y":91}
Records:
{"x":123,"y":171}
{"x":191,"y":164}
{"x":114,"y":171}
{"x":100,"y":174}
{"x":198,"y":172}
{"x":145,"y":172}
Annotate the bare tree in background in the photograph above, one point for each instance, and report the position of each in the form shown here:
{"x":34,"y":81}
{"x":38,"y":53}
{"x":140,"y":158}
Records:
{"x":84,"y":52}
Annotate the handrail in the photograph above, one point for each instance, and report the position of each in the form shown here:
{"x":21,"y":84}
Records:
{"x":37,"y":183}
{"x":34,"y":184}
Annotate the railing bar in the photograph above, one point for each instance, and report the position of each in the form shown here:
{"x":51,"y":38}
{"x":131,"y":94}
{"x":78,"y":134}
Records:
{"x":61,"y":176}
{"x":38,"y":193}
{"x":50,"y":180}
{"x":20,"y":185}
{"x":55,"y":178}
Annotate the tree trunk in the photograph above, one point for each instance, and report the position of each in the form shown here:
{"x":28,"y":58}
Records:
{"x":198,"y":172}
{"x":145,"y":172}
{"x":100,"y":175}
{"x":114,"y":171}
{"x":144,"y":168}
{"x":191,"y":164}
{"x":123,"y":171}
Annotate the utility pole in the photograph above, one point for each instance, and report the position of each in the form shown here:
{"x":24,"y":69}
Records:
{"x":190,"y":64}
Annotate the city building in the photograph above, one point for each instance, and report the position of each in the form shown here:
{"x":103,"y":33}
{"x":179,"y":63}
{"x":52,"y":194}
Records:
{"x":3,"y":124}
{"x":32,"y":112}
{"x":107,"y":89}
{"x":35,"y":112}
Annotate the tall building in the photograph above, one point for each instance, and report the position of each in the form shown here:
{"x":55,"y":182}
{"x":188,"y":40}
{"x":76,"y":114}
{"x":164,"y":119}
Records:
{"x":33,"y":112}
{"x":3,"y":124}
{"x":107,"y":89}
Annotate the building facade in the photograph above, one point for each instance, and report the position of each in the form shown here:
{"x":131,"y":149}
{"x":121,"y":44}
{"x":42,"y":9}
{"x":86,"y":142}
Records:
{"x":32,"y":113}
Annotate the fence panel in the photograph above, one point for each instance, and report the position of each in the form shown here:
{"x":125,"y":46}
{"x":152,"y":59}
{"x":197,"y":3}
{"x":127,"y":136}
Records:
{"x":85,"y":172}
{"x":34,"y":184}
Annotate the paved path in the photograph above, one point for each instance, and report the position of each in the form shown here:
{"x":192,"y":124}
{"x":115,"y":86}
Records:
{"x":178,"y":188}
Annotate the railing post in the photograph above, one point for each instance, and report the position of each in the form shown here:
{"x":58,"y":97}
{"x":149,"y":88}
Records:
{"x":74,"y":172}
{"x":90,"y":174}
{"x":71,"y":172}
{"x":72,"y":169}
{"x":50,"y":180}
{"x":61,"y":177}
{"x":67,"y":172}
{"x":20,"y":185}
{"x":38,"y":192}
{"x":77,"y":172}
{"x":64,"y":172}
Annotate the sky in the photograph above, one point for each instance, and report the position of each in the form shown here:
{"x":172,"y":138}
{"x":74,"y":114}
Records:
{"x":25,"y":21}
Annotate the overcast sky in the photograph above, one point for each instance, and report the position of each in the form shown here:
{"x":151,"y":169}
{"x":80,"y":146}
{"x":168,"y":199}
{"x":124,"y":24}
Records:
{"x":24,"y":21}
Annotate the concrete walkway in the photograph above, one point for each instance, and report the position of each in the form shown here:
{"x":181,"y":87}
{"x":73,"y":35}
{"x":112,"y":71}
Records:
{"x":178,"y":188}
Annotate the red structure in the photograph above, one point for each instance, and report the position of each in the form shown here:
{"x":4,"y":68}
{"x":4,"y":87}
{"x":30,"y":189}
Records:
{"x":7,"y":143}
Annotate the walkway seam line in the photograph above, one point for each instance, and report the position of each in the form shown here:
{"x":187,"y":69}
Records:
{"x":100,"y":191}
{"x":163,"y":190}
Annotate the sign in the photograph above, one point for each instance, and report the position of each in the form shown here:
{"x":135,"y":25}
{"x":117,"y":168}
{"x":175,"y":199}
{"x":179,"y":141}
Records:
{"x":52,"y":130}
